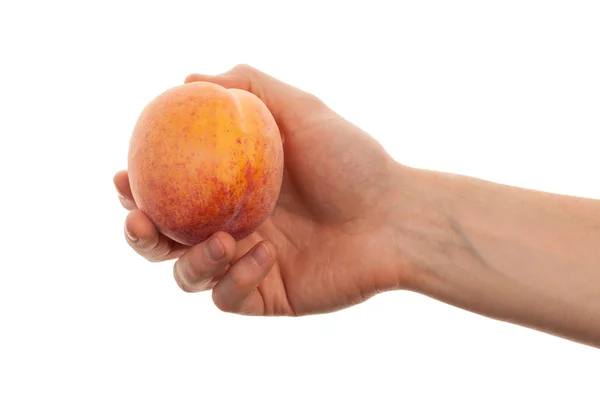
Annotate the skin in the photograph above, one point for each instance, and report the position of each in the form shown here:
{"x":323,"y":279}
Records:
{"x":351,"y":222}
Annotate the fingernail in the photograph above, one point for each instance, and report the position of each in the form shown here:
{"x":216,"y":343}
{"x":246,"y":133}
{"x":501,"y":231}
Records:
{"x":118,"y":191}
{"x":214,"y":249}
{"x":130,"y":236}
{"x":261,"y":254}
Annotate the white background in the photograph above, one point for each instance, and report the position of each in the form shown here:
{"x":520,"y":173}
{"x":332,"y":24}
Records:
{"x":507,"y":91}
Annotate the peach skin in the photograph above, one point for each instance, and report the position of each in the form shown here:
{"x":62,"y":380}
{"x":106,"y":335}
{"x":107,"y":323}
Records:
{"x":204,"y":159}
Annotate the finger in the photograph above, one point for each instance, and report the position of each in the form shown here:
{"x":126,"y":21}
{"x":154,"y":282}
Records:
{"x":287,"y":103}
{"x":144,"y":238}
{"x":121,"y":181}
{"x":199,"y":267}
{"x":237,"y":291}
{"x":226,"y":80}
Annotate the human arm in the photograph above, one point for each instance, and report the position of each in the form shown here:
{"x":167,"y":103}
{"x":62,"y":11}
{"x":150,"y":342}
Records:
{"x":523,"y":256}
{"x":352,"y":222}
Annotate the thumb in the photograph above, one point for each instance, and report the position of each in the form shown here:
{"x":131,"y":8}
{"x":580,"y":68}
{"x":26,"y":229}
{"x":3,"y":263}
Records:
{"x":287,"y":103}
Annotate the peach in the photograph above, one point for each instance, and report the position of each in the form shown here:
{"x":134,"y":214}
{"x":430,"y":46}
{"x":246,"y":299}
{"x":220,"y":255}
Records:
{"x":203,"y":159}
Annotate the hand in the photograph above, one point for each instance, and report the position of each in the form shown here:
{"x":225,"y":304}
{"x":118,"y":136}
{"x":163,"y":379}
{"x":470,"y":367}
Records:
{"x":327,"y":244}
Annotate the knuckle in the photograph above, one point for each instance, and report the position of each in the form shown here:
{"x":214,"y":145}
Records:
{"x":195,"y":266}
{"x":296,"y":118}
{"x":193,"y":273}
{"x":200,"y":267}
{"x":313,"y":101}
{"x":237,"y":281}
{"x":156,"y":252}
{"x":161,"y":251}
{"x":244,"y":69}
{"x":139,"y":244}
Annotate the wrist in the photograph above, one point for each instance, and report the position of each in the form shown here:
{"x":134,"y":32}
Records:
{"x":423,"y":234}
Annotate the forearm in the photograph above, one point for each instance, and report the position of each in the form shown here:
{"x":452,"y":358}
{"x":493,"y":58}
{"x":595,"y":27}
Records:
{"x":523,"y":256}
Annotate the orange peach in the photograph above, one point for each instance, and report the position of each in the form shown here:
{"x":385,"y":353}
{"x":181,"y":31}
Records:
{"x":203,"y":159}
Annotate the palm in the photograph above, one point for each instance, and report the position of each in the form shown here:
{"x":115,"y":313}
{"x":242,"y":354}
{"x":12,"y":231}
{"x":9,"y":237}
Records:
{"x":320,"y":221}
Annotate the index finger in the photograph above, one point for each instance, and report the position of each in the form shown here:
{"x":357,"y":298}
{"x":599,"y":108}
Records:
{"x":287,"y":103}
